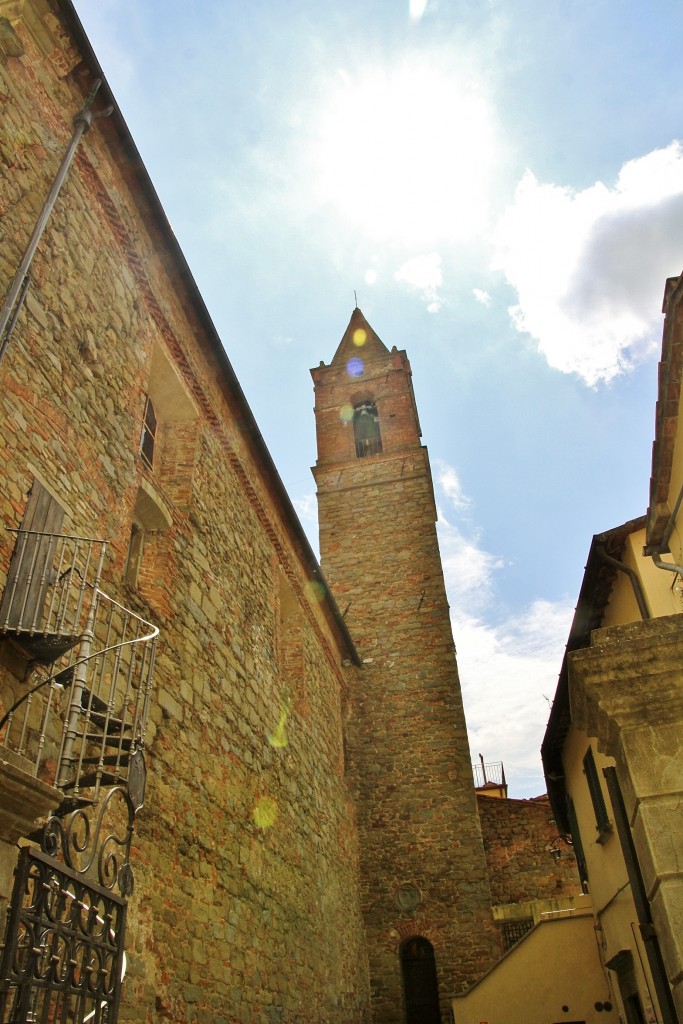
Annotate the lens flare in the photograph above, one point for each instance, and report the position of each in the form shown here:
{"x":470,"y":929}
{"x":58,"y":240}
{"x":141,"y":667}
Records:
{"x":359,"y":337}
{"x":346,"y":413}
{"x":354,"y":367}
{"x":315,"y":591}
{"x":278,"y":737}
{"x":265,"y":812}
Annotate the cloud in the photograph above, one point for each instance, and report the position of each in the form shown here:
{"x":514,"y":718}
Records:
{"x":508,"y":674}
{"x":448,"y":481}
{"x":306,"y":508}
{"x":482,"y":296}
{"x":417,"y":9}
{"x":468,"y":569}
{"x":508,"y":669}
{"x":589,"y":266}
{"x":424,"y":275}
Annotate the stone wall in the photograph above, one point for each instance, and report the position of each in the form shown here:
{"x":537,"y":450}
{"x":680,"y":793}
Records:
{"x":626,"y":689}
{"x":246,"y":906}
{"x":518,"y":835}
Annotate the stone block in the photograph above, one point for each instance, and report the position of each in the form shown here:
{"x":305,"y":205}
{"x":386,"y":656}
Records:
{"x":667,"y":914}
{"x":658,"y":838}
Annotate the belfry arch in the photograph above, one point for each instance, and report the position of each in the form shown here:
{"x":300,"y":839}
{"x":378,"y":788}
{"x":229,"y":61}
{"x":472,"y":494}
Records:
{"x":366,"y":430}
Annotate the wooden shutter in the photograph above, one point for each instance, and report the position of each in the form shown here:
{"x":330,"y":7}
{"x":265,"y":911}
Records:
{"x":31,"y":564}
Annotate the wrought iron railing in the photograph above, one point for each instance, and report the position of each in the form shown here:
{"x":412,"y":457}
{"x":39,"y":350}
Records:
{"x":47,"y":597}
{"x":368,"y":446}
{"x":488,"y":774}
{"x":63,"y":958}
{"x":513,"y":932}
{"x":81,"y":722}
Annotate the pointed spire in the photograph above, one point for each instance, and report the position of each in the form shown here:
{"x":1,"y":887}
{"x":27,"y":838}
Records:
{"x":359,"y":341}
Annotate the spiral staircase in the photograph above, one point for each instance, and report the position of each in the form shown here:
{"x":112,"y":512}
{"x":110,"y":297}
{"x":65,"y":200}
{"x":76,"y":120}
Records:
{"x":79,"y":719}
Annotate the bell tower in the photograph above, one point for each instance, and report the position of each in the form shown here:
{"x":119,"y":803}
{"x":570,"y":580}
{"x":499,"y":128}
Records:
{"x":424,"y":883}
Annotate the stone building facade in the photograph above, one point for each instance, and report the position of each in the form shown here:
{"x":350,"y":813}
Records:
{"x":246,"y":903}
{"x":519,"y":837}
{"x":613,"y":750}
{"x":306,"y":845}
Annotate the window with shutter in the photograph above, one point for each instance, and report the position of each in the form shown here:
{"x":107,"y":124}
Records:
{"x":602,"y":822}
{"x":31,"y":569}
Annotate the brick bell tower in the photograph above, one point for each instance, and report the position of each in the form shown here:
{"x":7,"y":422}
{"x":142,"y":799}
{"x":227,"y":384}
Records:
{"x":425,"y":888}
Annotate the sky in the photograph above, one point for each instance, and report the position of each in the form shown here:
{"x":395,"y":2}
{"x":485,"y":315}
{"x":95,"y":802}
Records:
{"x":501,"y":184}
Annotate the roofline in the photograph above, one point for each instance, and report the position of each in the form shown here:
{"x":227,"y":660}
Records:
{"x":666,"y":416}
{"x":249,"y":424}
{"x":597,"y":577}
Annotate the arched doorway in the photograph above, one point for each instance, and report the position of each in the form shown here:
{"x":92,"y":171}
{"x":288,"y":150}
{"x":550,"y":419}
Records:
{"x":420,"y":986}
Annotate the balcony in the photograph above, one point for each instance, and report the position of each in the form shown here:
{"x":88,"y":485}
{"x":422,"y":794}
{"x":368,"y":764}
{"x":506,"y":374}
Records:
{"x":77,"y":720}
{"x":489,"y":779}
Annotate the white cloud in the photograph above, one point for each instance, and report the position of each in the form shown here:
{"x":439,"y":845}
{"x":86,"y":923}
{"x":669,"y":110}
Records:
{"x":468,"y":569}
{"x":449,"y":482}
{"x":589,"y":266}
{"x":417,"y":9}
{"x":508,"y":675}
{"x":482,"y":296}
{"x":508,"y":670}
{"x":306,"y":508}
{"x":424,"y":275}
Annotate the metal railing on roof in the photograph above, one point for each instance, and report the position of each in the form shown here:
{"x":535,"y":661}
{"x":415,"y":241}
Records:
{"x":488,"y":774}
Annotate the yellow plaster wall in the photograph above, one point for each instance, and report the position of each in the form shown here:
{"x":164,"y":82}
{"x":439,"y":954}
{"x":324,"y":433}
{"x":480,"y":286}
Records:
{"x":605,"y":863}
{"x":616,"y":921}
{"x":675,"y":486}
{"x":556,"y":965}
{"x":660,"y":587}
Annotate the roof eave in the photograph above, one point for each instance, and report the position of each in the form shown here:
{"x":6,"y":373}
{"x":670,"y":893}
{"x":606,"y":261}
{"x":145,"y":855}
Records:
{"x":250,"y":427}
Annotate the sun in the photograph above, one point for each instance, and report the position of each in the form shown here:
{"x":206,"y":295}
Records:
{"x":406,"y":153}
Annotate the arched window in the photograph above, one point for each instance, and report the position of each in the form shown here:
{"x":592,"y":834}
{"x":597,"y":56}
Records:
{"x":420,"y":986}
{"x":366,"y":429}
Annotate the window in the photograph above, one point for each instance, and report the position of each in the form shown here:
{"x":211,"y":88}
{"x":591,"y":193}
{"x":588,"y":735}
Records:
{"x":366,"y":429}
{"x":578,"y":845}
{"x":30,"y":572}
{"x":149,"y":433}
{"x":148,"y":537}
{"x":514,"y":931}
{"x":134,"y":554}
{"x":169,"y":431}
{"x":602,"y":822}
{"x":622,"y":964}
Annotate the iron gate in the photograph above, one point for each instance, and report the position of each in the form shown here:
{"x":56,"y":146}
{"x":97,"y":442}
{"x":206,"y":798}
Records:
{"x":63,"y":955}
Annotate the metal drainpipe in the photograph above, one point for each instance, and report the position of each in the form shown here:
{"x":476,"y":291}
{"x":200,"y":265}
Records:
{"x":663,"y":546}
{"x":17,"y":293}
{"x":632,"y":575}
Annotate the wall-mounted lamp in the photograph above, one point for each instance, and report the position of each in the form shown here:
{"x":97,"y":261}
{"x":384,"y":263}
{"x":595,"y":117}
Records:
{"x":555,"y":851}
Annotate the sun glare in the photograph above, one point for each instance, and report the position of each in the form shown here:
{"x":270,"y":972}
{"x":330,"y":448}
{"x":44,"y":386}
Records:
{"x":407,"y":155}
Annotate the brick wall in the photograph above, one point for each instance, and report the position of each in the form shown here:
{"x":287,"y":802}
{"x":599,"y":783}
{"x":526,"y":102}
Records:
{"x":246,"y":906}
{"x":518,"y":835}
{"x":408,"y":750}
